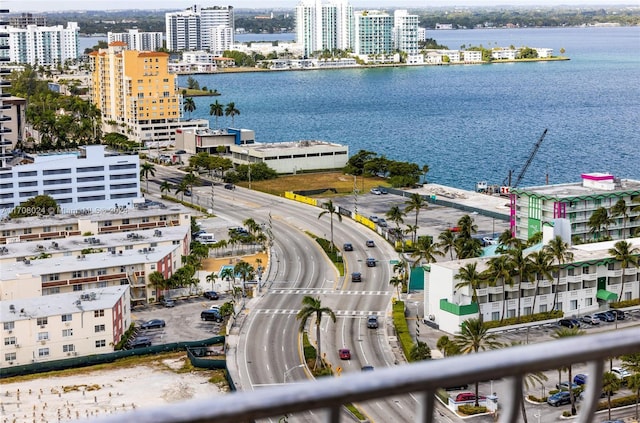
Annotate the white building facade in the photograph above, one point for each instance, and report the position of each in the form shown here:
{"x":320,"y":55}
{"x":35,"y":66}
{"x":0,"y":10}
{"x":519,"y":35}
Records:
{"x":44,"y":45}
{"x":324,"y":26}
{"x":201,"y":28}
{"x":183,"y":31}
{"x":373,"y":33}
{"x":136,"y":40}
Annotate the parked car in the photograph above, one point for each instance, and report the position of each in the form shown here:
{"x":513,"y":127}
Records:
{"x":356,"y":277}
{"x":370,"y":243}
{"x":168,"y":302}
{"x":620,"y":315}
{"x":229,"y":186}
{"x":591,"y":319}
{"x":488,"y":241}
{"x":181,"y":152}
{"x":468,"y":396}
{"x":367,"y":368}
{"x":373,"y":218}
{"x":620,"y":372}
{"x":375,"y":191}
{"x":606,"y":316}
{"x":372,"y":322}
{"x":371,"y":262}
{"x":457,"y":387}
{"x":211,"y":295}
{"x":211,"y":315}
{"x":141,"y":342}
{"x":344,"y":353}
{"x":347,"y":246}
{"x":580,"y":379}
{"x":569,"y":323}
{"x":153,"y":323}
{"x":559,"y":398}
{"x":382,"y":223}
{"x":383,"y":191}
{"x":564,"y":386}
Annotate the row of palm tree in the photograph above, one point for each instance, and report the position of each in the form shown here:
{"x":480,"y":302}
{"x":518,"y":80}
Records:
{"x":216,"y":109}
{"x":602,"y":218}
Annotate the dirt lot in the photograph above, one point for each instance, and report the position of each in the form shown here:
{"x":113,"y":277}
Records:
{"x":342,"y":183}
{"x":88,"y":393}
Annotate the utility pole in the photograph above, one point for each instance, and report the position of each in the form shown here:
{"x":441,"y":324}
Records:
{"x":355,"y":194}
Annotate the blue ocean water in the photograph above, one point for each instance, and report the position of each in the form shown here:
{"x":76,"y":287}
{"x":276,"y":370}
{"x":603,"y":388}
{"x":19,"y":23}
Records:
{"x":467,"y":122}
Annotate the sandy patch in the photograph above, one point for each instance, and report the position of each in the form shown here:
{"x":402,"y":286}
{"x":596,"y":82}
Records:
{"x":65,"y":398}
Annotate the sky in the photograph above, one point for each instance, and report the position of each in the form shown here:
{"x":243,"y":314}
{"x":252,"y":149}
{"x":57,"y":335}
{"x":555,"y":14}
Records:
{"x":60,"y":5}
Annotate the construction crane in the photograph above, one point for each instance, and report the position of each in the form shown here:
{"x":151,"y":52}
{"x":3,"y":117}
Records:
{"x":532,"y":154}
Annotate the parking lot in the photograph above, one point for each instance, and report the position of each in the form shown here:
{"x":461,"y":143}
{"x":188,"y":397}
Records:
{"x":182,"y":322}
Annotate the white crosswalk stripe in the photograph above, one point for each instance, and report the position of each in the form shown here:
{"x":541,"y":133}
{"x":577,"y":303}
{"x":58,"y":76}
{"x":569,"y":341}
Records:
{"x":338,"y":313}
{"x":325,"y":292}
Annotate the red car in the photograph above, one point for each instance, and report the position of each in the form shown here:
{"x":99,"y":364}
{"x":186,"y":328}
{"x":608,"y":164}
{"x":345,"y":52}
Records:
{"x":468,"y":396}
{"x":345,"y":354}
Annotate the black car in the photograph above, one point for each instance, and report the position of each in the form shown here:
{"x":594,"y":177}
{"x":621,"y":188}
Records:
{"x":141,"y":342}
{"x":211,"y":295}
{"x":347,"y":246}
{"x":569,"y":323}
{"x":618,"y":313}
{"x":371,"y":262}
{"x":606,"y":316}
{"x":356,"y":277}
{"x":229,"y":186}
{"x":370,"y":243}
{"x":152,"y":324}
{"x":211,"y":315}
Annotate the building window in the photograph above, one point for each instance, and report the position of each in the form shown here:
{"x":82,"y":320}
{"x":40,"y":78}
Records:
{"x":43,"y":336}
{"x":68,"y":348}
{"x":77,"y":287}
{"x":30,"y":173}
{"x":43,"y":352}
{"x":163,"y":218}
{"x":107,"y":223}
{"x":11,"y":340}
{"x":26,"y":231}
{"x":67,"y":317}
{"x":627,"y":296}
{"x":54,"y":277}
{"x":543,"y":308}
{"x":611,"y":266}
{"x":99,"y":328}
{"x":101,"y":343}
{"x":98,"y":313}
{"x":67,"y":332}
{"x":51,"y":291}
{"x":102,"y":284}
{"x":588,"y":302}
{"x":495,"y":315}
{"x":585,"y":270}
{"x":9,"y":325}
{"x":90,"y":169}
{"x":570,"y":271}
{"x":56,"y":171}
{"x":145,"y":219}
{"x":102,"y":272}
{"x":125,"y":221}
{"x":10,"y":356}
{"x":573,"y":305}
{"x":28,"y":184}
{"x":41,"y":321}
{"x":76,"y":274}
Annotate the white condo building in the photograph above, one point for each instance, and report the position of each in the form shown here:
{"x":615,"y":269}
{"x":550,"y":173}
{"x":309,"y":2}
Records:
{"x":136,"y":40}
{"x":373,"y":33}
{"x":405,"y":32}
{"x":43,"y":45}
{"x":327,"y":26}
{"x":88,"y":179}
{"x":201,"y":28}
{"x":183,"y":31}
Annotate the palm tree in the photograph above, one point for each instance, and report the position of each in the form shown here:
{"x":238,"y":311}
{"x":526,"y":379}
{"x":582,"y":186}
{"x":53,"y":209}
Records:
{"x":181,"y":188}
{"x":559,"y":250}
{"x":311,"y":307}
{"x":216,"y":109}
{"x":212,"y":278}
{"x":331,"y":210}
{"x":620,"y":209}
{"x":165,"y":186}
{"x":568,"y":333}
{"x":521,"y":267}
{"x":474,"y":336}
{"x":425,"y":170}
{"x":541,"y":265}
{"x":467,"y":227}
{"x":499,"y":270}
{"x":397,"y":283}
{"x":419,"y":351}
{"x":529,"y":382}
{"x":447,"y":346}
{"x":231,"y":110}
{"x":610,"y":384}
{"x":425,"y":250}
{"x":147,"y":169}
{"x":633,"y":383}
{"x":245,"y":270}
{"x":599,"y":222}
{"x":415,"y":203}
{"x":228,"y":274}
{"x":158,"y":282}
{"x":471,"y":278}
{"x":189,"y":105}
{"x":396,"y":216}
{"x":447,"y":242}
{"x":624,"y":253}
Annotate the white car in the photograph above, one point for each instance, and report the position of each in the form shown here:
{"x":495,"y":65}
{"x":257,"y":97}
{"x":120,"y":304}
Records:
{"x":489,"y":241}
{"x":376,"y":191}
{"x":620,"y":372}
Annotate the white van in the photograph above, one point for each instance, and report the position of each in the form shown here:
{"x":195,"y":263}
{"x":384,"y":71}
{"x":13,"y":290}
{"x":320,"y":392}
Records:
{"x":206,"y":238}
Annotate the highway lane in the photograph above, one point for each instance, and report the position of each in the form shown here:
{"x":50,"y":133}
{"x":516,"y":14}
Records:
{"x":270,"y":330}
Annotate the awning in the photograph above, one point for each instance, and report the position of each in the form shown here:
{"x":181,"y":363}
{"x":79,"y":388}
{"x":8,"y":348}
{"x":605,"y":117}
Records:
{"x":605,"y":295}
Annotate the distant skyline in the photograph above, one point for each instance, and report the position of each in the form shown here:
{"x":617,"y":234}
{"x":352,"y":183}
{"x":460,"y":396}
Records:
{"x":64,"y":5}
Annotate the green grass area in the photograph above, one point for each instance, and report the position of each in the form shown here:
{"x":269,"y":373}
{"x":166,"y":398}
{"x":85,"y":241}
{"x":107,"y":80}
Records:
{"x":402,"y":329}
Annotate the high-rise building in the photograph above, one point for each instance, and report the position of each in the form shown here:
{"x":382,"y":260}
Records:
{"x":137,"y":95}
{"x":405,"y":32}
{"x":136,"y":40}
{"x":322,"y":27}
{"x":5,"y":144}
{"x":44,"y":45}
{"x":183,"y":31}
{"x":374,"y":33}
{"x":200,"y":28}
{"x":26,"y":19}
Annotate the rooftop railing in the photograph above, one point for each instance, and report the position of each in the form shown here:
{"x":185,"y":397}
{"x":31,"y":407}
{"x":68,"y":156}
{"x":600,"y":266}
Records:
{"x":422,"y":379}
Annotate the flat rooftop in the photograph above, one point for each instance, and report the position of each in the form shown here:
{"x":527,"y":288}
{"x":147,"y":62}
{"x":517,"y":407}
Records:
{"x":57,"y":304}
{"x":576,"y":189}
{"x":294,"y":145}
{"x":473,"y":199}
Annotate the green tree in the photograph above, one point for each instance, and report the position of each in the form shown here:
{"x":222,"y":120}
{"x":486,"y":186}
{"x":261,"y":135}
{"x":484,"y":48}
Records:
{"x":396,"y":215}
{"x":425,"y":249}
{"x":192,"y":84}
{"x":355,"y":164}
{"x":466,"y":226}
{"x":246,"y":271}
{"x":599,"y":222}
{"x":541,"y":267}
{"x":147,"y":169}
{"x":621,"y":209}
{"x":633,"y":384}
{"x":610,"y":384}
{"x":559,"y":250}
{"x":397,"y":283}
{"x":227,"y":274}
{"x":158,"y":282}
{"x":447,"y":242}
{"x":231,"y":110}
{"x":469,"y":277}
{"x":165,"y":187}
{"x":420,"y":351}
{"x":447,"y":346}
{"x":211,"y":277}
{"x":216,"y":109}
{"x":36,"y":206}
{"x":189,"y":105}
{"x":312,"y":307}
{"x":415,"y":203}
{"x":500,"y":268}
{"x":624,"y":253}
{"x":521,"y":267}
{"x":331,"y":210}
{"x":474,"y":337}
{"x":569,"y":333}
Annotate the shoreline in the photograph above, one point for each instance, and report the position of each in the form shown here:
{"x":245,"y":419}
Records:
{"x":382,"y":65}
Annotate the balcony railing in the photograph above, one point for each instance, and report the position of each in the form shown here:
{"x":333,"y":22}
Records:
{"x":423,"y":379}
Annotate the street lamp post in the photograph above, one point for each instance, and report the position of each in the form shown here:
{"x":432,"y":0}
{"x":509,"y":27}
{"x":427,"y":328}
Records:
{"x":286,"y":372}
